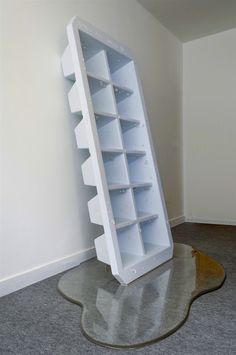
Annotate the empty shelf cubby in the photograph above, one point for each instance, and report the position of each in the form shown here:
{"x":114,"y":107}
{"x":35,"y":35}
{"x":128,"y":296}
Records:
{"x":115,"y":168}
{"x":144,"y":201}
{"x":121,"y":92}
{"x":132,"y":134}
{"x":122,"y":207}
{"x":138,"y":168}
{"x":130,"y":245}
{"x":116,"y":60}
{"x":149,"y":236}
{"x":129,"y":204}
{"x":108,"y":132}
{"x":124,"y":76}
{"x":103,"y":99}
{"x":96,"y":84}
{"x":97,"y":66}
{"x":128,"y":103}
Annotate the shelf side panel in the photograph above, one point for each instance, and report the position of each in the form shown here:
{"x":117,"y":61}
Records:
{"x":67,"y":64}
{"x":101,"y":249}
{"x":81,"y":136}
{"x":74,"y":100}
{"x":87,"y":172}
{"x":95,"y":210}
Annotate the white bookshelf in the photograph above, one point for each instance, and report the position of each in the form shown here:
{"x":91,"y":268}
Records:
{"x":129,"y":203}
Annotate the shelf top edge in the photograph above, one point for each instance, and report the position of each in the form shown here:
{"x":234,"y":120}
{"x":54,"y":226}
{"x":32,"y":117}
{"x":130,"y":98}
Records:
{"x":76,"y":23}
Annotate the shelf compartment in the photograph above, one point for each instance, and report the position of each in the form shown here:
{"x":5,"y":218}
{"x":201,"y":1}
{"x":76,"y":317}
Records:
{"x":121,"y":92}
{"x":91,"y":46}
{"x":144,"y":202}
{"x":96,"y":66}
{"x":125,"y":76}
{"x":131,"y":261}
{"x":103,"y":100}
{"x":128,"y":123}
{"x":122,"y":208}
{"x":116,"y":60}
{"x":132,"y":136}
{"x":115,"y":168}
{"x":108,"y":133}
{"x":130,"y":244}
{"x":150,"y":236}
{"x":138,"y":168}
{"x":129,"y":106}
{"x":96,"y":83}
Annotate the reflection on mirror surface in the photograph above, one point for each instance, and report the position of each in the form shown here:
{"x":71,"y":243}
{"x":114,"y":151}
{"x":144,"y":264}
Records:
{"x":146,"y":310}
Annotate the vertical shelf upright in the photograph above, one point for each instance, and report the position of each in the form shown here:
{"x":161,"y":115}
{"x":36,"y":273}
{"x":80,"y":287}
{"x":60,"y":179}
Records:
{"x":129,"y":203}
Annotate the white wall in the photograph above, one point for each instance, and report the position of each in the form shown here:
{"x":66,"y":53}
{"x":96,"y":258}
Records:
{"x":46,"y":226}
{"x":1,"y":134}
{"x":210,"y":128}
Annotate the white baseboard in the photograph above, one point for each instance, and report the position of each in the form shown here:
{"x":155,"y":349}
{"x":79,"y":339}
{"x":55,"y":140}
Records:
{"x":210,"y":221}
{"x":29,"y":277}
{"x":176,"y":221}
{"x":21,"y":280}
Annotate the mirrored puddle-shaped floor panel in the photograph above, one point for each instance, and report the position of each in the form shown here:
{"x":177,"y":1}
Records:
{"x":147,"y":310}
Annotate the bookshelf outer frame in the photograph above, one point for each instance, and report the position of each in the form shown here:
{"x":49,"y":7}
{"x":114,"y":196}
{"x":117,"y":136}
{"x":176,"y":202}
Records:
{"x":107,"y":245}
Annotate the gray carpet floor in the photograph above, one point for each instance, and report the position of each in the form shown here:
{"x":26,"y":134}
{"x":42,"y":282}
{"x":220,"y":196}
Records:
{"x":38,"y":320}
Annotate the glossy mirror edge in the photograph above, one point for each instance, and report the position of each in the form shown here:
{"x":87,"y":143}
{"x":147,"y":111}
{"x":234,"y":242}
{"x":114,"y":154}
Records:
{"x":187,"y":276}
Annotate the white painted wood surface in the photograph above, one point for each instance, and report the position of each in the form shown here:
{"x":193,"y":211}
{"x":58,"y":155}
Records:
{"x":129,"y":203}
